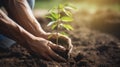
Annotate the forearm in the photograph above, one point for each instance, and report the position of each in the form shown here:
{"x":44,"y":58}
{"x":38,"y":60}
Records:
{"x":13,"y":30}
{"x":23,"y":15}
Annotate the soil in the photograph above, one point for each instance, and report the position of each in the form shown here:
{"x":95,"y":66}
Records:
{"x":91,"y":49}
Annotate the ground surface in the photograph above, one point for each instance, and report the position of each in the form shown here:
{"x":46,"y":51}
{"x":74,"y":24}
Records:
{"x":91,"y":49}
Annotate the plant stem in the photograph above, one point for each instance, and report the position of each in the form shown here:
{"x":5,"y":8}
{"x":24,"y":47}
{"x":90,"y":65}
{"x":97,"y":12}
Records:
{"x":57,"y":38}
{"x":57,"y":30}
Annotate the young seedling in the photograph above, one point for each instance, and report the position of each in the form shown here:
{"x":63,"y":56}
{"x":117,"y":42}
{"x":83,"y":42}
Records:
{"x":60,"y":19}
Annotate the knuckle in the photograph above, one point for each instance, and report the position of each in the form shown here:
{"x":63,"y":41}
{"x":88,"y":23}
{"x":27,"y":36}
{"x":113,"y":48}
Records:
{"x":2,"y":15}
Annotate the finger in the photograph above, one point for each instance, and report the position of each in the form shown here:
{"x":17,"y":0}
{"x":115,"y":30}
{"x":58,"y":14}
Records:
{"x":56,"y":57}
{"x":56,"y":47}
{"x":59,"y":48}
{"x":46,"y":57}
{"x":70,"y":44}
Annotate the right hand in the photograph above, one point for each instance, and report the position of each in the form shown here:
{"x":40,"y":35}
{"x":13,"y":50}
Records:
{"x":63,"y":40}
{"x":42,"y":48}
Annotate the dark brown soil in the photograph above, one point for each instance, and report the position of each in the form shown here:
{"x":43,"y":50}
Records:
{"x":91,"y":49}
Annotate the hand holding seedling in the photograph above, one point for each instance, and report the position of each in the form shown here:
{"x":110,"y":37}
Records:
{"x":44,"y":49}
{"x":27,"y":31}
{"x":62,"y":40}
{"x":40,"y":46}
{"x":60,"y":18}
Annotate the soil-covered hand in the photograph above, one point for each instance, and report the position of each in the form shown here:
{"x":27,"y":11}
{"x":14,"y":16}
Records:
{"x":42,"y":47}
{"x":62,"y":40}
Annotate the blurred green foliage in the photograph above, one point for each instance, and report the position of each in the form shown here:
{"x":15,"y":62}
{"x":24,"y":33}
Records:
{"x":46,"y":4}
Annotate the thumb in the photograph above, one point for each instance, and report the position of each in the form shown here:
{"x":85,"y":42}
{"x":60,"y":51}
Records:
{"x":60,"y":50}
{"x":56,"y":47}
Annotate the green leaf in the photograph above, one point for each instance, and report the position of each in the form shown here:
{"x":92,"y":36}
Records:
{"x":60,"y":6}
{"x":50,"y":36}
{"x":67,"y":27}
{"x":63,"y":33}
{"x":70,"y":6}
{"x":50,"y":17}
{"x":68,"y":13}
{"x":54,"y":26}
{"x":51,"y":23}
{"x":52,"y":9}
{"x":66,"y":19}
{"x":56,"y":16}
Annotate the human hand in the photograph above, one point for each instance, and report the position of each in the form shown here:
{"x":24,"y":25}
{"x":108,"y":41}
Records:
{"x":43,"y":48}
{"x":63,"y":40}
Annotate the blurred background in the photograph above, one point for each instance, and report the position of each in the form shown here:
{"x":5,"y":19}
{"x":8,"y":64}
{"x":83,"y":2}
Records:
{"x":100,"y":15}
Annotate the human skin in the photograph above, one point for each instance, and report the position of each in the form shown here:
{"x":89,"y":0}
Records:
{"x":26,"y":39}
{"x":23,"y":15}
{"x":28,"y":31}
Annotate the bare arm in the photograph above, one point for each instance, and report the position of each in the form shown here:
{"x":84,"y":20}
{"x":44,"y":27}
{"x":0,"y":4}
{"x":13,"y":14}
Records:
{"x":11,"y":29}
{"x":20,"y":12}
{"x":19,"y":34}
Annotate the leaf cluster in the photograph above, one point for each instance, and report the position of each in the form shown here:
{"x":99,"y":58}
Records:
{"x":60,"y":17}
